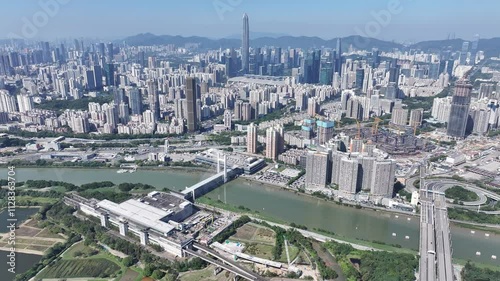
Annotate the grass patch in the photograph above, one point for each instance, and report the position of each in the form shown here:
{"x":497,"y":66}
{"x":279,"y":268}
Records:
{"x":245,"y":233}
{"x":129,"y":275}
{"x":259,"y":250}
{"x":264,"y":235}
{"x":70,"y":253}
{"x":461,"y":194}
{"x":47,"y":234}
{"x":292,"y":250}
{"x":95,"y":268}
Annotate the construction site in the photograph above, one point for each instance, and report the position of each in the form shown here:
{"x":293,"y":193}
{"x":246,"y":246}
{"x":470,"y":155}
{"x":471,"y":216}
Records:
{"x":395,"y":140}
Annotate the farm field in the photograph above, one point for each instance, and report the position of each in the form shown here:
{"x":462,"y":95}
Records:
{"x":98,"y":267}
{"x":32,"y":239}
{"x":259,"y":241}
{"x":129,"y":275}
{"x":81,"y":261}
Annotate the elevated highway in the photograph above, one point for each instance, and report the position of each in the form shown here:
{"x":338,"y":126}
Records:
{"x":435,"y":243}
{"x":215,"y":258}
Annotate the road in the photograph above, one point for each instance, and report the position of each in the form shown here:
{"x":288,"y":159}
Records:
{"x":443,"y":184}
{"x":435,"y":243}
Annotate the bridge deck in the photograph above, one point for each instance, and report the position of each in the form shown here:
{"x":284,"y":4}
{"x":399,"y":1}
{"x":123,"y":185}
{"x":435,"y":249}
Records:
{"x":435,"y":243}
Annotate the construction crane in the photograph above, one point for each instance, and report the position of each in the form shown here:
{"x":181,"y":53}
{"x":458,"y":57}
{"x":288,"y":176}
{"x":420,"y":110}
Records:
{"x":375,"y":126}
{"x":358,"y":136}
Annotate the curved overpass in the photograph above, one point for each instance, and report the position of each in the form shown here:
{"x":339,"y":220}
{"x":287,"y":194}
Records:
{"x":444,"y":184}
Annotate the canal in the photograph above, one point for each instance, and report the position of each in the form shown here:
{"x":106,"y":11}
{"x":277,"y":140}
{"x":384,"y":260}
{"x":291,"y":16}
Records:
{"x":287,"y":206}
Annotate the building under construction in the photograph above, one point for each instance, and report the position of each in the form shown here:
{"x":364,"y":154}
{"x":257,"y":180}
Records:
{"x":405,"y":143}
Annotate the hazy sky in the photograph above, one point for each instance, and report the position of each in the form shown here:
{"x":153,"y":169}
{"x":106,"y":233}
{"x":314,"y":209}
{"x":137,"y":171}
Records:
{"x":409,"y":20}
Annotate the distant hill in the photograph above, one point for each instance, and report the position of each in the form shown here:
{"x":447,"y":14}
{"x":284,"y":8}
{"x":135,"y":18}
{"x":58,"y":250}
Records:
{"x":205,"y":43}
{"x":491,"y":47}
{"x":283,"y":41}
{"x":254,"y":35}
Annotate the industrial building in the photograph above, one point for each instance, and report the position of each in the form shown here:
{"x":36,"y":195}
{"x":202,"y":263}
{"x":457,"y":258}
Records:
{"x":156,"y":218}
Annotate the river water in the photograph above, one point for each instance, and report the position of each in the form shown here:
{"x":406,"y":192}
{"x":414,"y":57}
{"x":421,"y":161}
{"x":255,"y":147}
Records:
{"x":290,"y":207}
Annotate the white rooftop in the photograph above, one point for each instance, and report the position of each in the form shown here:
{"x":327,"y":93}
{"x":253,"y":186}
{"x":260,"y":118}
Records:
{"x":139,"y":213}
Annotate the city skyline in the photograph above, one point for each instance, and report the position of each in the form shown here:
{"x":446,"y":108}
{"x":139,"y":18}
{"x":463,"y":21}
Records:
{"x":403,"y":21}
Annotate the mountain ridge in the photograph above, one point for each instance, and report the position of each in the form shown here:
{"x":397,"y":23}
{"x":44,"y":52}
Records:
{"x":490,"y":46}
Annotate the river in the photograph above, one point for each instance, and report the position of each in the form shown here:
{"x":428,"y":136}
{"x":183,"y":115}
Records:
{"x":175,"y":179}
{"x":290,"y":207}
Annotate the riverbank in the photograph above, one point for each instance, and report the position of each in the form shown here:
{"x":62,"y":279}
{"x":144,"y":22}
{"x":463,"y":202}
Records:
{"x":324,"y":237}
{"x":356,"y":243}
{"x":463,"y":224}
{"x":270,"y":202}
{"x":23,"y":251}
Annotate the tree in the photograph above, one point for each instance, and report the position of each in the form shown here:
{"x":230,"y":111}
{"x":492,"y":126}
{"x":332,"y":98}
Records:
{"x":128,"y":261}
{"x":148,"y":270}
{"x":125,"y":187}
{"x":77,"y":253}
{"x":158,"y":274}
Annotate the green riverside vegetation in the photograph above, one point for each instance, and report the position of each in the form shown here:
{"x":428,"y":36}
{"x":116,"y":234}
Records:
{"x":373,"y":266}
{"x":471,"y":272}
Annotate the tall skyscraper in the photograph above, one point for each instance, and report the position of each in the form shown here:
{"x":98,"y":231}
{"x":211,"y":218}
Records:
{"x":382,"y":184}
{"x":366,"y":171}
{"x":153,"y":99}
{"x":274,"y":142}
{"x":245,"y":45}
{"x":25,"y":103}
{"x":252,"y":138}
{"x":399,"y":116}
{"x":135,"y":100}
{"x":101,"y":49}
{"x":97,"y":72}
{"x":459,"y":113}
{"x":338,"y":60}
{"x":318,"y":170}
{"x":228,"y":119}
{"x":123,"y":113}
{"x":192,"y":117}
{"x":325,"y":131}
{"x":416,"y":117}
{"x":441,"y":108}
{"x":110,"y":52}
{"x":246,"y":111}
{"x":109,"y":71}
{"x":7,"y":102}
{"x":348,"y":181}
